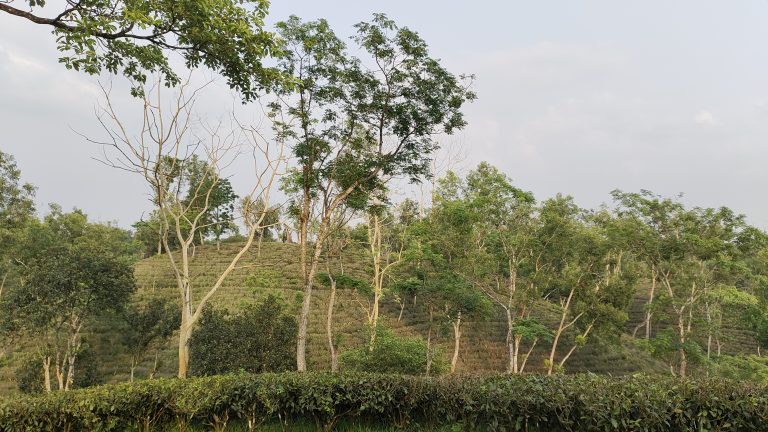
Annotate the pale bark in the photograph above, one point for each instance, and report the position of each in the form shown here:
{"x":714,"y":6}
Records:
{"x":47,"y":373}
{"x":429,"y":341}
{"x":162,"y":140}
{"x":329,"y":321}
{"x":456,"y":341}
{"x":562,"y":326}
{"x":383,"y":261}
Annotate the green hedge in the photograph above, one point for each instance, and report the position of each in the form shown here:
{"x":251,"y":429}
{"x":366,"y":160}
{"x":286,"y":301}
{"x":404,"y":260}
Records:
{"x":560,"y":403}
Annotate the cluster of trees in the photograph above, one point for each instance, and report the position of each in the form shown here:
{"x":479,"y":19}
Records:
{"x":561,"y":275}
{"x":345,"y":121}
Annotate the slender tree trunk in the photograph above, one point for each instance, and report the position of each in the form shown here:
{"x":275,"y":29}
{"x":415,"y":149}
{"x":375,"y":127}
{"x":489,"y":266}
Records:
{"x":133,"y":367}
{"x":2,"y":284}
{"x":683,"y":361}
{"x":560,"y":328}
{"x":649,"y":312}
{"x":329,"y":324}
{"x":429,"y":341}
{"x":155,"y":365}
{"x":47,"y":373}
{"x":374,"y":239}
{"x":301,"y":340}
{"x":527,"y":355}
{"x":456,"y":341}
{"x":575,"y":346}
{"x":512,"y":345}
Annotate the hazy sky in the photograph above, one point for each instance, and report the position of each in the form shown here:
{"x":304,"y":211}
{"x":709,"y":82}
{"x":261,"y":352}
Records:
{"x":578,"y":97}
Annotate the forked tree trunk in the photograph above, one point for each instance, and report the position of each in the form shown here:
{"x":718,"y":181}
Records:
{"x":562,"y":326}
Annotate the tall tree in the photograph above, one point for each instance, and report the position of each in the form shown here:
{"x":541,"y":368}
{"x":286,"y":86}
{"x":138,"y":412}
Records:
{"x":159,"y":153}
{"x":505,"y":234}
{"x":134,"y":38}
{"x":354,"y":123}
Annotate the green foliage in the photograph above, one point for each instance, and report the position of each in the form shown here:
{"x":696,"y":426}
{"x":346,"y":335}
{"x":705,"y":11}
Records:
{"x":134,"y":38}
{"x":523,"y":403}
{"x":263,"y":279}
{"x":30,"y":379}
{"x":744,"y":368}
{"x":392,"y":354}
{"x":146,"y":324}
{"x":260,"y":338}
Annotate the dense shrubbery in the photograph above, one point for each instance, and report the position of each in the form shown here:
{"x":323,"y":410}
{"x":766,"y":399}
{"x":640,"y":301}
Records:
{"x":559,"y":403}
{"x":260,"y":338}
{"x":393,"y":354}
{"x":30,"y":376}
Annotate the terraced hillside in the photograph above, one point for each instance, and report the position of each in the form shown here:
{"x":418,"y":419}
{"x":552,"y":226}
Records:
{"x":274,"y":269}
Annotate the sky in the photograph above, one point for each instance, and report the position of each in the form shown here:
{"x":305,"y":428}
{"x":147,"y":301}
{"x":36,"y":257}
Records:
{"x":574,"y":97}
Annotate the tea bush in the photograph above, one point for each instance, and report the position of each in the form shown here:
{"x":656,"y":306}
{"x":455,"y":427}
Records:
{"x":532,"y":403}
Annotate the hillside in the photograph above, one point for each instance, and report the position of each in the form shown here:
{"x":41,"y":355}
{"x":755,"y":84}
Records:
{"x":274,"y":269}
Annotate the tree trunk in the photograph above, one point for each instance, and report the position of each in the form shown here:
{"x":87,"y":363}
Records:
{"x":512,"y":343}
{"x":154,"y":365}
{"x":560,"y":328}
{"x":308,"y":273}
{"x":429,"y":342}
{"x":47,"y":373}
{"x":374,"y":239}
{"x":456,"y":341}
{"x":301,"y":340}
{"x":133,"y":368}
{"x":527,"y":355}
{"x":185,"y":334}
{"x":683,"y":361}
{"x":329,"y":325}
{"x":649,"y":313}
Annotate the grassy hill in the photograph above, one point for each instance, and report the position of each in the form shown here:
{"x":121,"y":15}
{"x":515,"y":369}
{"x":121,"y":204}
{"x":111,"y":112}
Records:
{"x":274,"y":269}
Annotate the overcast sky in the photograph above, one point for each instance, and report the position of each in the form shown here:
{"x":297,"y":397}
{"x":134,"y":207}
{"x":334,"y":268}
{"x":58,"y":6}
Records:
{"x":578,"y":97}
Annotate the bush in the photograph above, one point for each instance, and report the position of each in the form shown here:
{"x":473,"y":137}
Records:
{"x":30,"y":377}
{"x":532,"y":403}
{"x":261,"y":338}
{"x":393,"y":354}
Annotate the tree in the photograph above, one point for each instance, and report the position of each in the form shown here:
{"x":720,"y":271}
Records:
{"x":455,"y":269}
{"x":217,"y":207}
{"x":694,"y":256}
{"x":506,"y":235}
{"x":159,"y":152}
{"x":354,"y":123}
{"x":587,"y":277}
{"x":133,"y":38}
{"x":218,"y":346}
{"x":16,"y":210}
{"x":147,"y":323}
{"x":72,"y":271}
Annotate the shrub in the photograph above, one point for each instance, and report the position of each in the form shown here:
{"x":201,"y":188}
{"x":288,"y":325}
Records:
{"x":31,"y":380}
{"x":530,"y":403}
{"x":393,"y":354}
{"x":260,"y":338}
